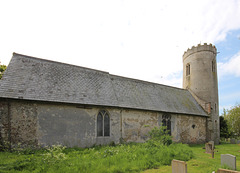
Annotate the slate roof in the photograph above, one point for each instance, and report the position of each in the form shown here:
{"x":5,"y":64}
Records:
{"x":31,"y":78}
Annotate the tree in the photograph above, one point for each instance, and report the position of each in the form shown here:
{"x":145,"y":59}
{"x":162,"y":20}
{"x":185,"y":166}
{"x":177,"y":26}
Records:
{"x":2,"y":69}
{"x":224,"y":132}
{"x":233,"y":120}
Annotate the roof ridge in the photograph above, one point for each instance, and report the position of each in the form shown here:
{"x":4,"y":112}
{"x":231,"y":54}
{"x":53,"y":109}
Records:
{"x":57,"y":62}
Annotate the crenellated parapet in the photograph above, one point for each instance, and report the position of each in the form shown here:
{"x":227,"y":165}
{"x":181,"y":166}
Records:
{"x":199,"y":48}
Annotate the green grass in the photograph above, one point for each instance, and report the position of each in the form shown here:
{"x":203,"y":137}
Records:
{"x":147,"y":157}
{"x":120,"y":158}
{"x":203,"y":162}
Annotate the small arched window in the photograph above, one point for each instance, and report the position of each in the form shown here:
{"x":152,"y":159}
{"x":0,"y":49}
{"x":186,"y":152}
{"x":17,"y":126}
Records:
{"x":188,"y":69}
{"x":215,"y":107}
{"x":103,"y":124}
{"x":213,"y":66}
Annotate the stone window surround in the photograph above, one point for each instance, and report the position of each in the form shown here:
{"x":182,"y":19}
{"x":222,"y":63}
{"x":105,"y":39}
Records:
{"x":166,"y":121}
{"x":188,"y":69}
{"x":104,"y":126}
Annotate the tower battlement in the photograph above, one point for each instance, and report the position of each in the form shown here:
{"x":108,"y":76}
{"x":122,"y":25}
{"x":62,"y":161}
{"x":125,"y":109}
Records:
{"x":199,"y":48}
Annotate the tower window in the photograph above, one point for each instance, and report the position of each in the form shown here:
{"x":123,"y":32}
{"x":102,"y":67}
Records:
{"x":103,"y":124}
{"x":188,"y":69}
{"x":213,"y":66}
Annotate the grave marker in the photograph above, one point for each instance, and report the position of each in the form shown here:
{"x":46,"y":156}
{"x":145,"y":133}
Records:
{"x":233,"y":141}
{"x":226,"y":171}
{"x":208,"y":148}
{"x":212,"y":142}
{"x":229,"y":160}
{"x":179,"y":166}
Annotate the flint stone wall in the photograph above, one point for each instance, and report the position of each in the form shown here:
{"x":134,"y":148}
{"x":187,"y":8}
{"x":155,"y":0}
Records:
{"x":43,"y":123}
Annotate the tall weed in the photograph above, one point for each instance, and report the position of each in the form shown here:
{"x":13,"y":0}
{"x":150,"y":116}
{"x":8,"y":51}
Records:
{"x":133,"y":157}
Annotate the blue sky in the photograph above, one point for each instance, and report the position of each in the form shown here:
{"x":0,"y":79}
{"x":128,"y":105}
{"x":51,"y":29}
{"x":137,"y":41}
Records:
{"x":229,"y":79}
{"x":142,"y":39}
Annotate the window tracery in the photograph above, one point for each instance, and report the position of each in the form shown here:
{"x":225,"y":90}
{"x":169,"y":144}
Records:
{"x":166,"y":121}
{"x":103,"y":123}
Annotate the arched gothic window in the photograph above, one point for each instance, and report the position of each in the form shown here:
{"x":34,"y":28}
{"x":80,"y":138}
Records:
{"x":166,"y":121}
{"x":103,"y":124}
{"x":188,"y":69}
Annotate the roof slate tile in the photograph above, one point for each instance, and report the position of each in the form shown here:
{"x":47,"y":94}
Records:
{"x":31,"y":78}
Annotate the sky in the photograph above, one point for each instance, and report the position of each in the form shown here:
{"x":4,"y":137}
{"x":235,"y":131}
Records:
{"x":141,"y":39}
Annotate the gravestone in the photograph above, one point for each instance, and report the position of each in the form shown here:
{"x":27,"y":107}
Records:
{"x":208,"y":148}
{"x":228,"y":160}
{"x":238,"y":141}
{"x":179,"y":166}
{"x":233,"y":141}
{"x":212,"y":142}
{"x":226,"y":171}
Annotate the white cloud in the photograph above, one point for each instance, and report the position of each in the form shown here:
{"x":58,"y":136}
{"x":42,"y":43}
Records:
{"x":231,"y":67}
{"x":135,"y":38}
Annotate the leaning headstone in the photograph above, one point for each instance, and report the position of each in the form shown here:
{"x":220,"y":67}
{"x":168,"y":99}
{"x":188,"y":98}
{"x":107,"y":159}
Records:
{"x":233,"y":141}
{"x":208,"y":148}
{"x":226,"y":171}
{"x":228,"y":160}
{"x":179,"y":166}
{"x":212,"y":142}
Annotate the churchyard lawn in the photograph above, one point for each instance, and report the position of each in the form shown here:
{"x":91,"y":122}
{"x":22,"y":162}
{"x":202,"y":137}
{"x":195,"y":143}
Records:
{"x":147,"y":158}
{"x":203,"y":162}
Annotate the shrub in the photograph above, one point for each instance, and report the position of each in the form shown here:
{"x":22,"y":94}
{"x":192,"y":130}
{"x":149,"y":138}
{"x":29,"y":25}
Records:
{"x":159,"y":135}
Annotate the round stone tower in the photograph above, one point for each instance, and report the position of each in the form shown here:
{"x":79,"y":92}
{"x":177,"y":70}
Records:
{"x":200,"y":78}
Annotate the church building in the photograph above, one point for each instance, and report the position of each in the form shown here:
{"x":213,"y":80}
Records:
{"x":44,"y":102}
